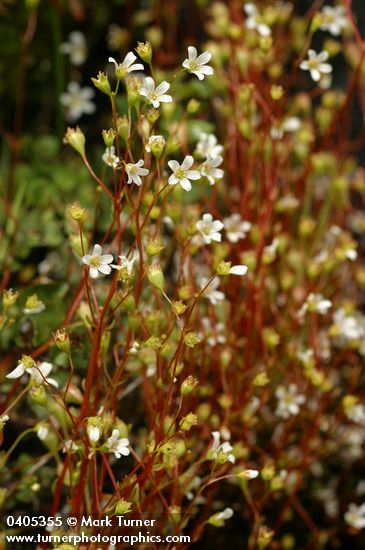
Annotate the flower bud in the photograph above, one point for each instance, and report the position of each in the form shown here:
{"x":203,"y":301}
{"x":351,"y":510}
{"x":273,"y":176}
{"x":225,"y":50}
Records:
{"x":156,"y":146}
{"x":76,"y":139}
{"x":264,"y":537}
{"x":76,"y":211}
{"x":179,"y":307}
{"x":122,"y":507}
{"x":109,"y":137}
{"x":38,"y":395}
{"x":144,"y":51}
{"x":153,"y":115}
{"x":189,"y":384}
{"x":191,"y":339}
{"x":123,"y":126}
{"x":102,"y":83}
{"x":188,"y":422}
{"x":94,"y":429}
{"x":9,"y":298}
{"x":155,"y":276}
{"x":154,"y":247}
{"x":62,"y":340}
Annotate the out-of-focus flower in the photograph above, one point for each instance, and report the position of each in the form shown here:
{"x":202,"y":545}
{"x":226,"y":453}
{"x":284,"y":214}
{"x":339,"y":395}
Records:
{"x":208,"y":146}
{"x":117,"y":37}
{"x":211,"y":292}
{"x":290,"y":124}
{"x":135,"y":171}
{"x":33,"y":305}
{"x":236,"y":228}
{"x":213,"y":332}
{"x":127,"y":264}
{"x":333,"y":19}
{"x":289,"y":401}
{"x":181,"y":174}
{"x":38,"y":373}
{"x":117,"y":445}
{"x":110,"y":158}
{"x":210,"y":170}
{"x":98,"y":262}
{"x":77,"y":101}
{"x":155,"y":95}
{"x":254,"y":20}
{"x":126,"y":66}
{"x":355,"y":515}
{"x":94,"y":429}
{"x":316,"y":65}
{"x":210,"y":229}
{"x":315,"y":303}
{"x":198,"y":64}
{"x":224,"y":448}
{"x":75,"y":47}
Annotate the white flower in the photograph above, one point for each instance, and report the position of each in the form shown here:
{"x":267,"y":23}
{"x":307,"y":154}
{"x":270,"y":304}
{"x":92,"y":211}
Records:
{"x":315,"y":302}
{"x":349,"y":327}
{"x":98,"y":262}
{"x":254,"y":20}
{"x":116,"y":445}
{"x":198,"y":64}
{"x":225,"y":514}
{"x":213,"y":332}
{"x":249,"y":474}
{"x":4,"y":418}
{"x":356,"y":413}
{"x":127,"y":65}
{"x":236,"y":228}
{"x":290,"y":124}
{"x":208,"y":147}
{"x":316,"y":65}
{"x":77,"y":101}
{"x":355,"y":515}
{"x":70,"y":446}
{"x":134,"y":171}
{"x":210,"y":169}
{"x":210,"y":229}
{"x":333,"y":19}
{"x":219,"y":447}
{"x":181,"y":174}
{"x":38,"y":307}
{"x":38,"y":373}
{"x":211,"y":292}
{"x":110,"y":158}
{"x":289,"y":401}
{"x":240,"y":270}
{"x":127,"y":264}
{"x":94,"y":433}
{"x":75,"y":47}
{"x":155,"y":95}
{"x":42,"y":431}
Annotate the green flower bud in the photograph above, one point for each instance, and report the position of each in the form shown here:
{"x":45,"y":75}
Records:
{"x":155,"y":276}
{"x":122,"y":507}
{"x":154,"y":247}
{"x":144,"y":50}
{"x":123,"y":127}
{"x":101,"y":82}
{"x":76,"y":139}
{"x":76,"y":211}
{"x":62,"y":340}
{"x":191,"y":339}
{"x":188,"y":422}
{"x":188,"y":385}
{"x":38,"y":395}
{"x":109,"y":137}
{"x":9,"y":298}
{"x":179,"y":307}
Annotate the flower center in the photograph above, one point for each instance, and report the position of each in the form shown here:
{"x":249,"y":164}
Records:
{"x":180,"y":174}
{"x":95,"y":261}
{"x":313,"y":64}
{"x":194,"y":65}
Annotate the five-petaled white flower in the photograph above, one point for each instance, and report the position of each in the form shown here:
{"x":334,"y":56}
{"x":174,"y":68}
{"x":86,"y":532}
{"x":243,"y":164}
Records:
{"x":127,"y":264}
{"x":198,"y":64}
{"x":254,"y":20}
{"x":135,"y":171}
{"x":110,"y":158}
{"x":219,"y":447}
{"x":98,"y":262}
{"x":75,"y":47}
{"x":355,"y":515}
{"x":117,"y":445}
{"x":126,"y":66}
{"x":333,"y":19}
{"x":210,"y":169}
{"x":208,"y":147}
{"x":182,"y":173}
{"x":236,"y":228}
{"x":289,"y":401}
{"x":209,"y":228}
{"x":38,"y":373}
{"x":77,"y":101}
{"x":155,"y":95}
{"x":315,"y":302}
{"x":211,"y":292}
{"x":316,"y":65}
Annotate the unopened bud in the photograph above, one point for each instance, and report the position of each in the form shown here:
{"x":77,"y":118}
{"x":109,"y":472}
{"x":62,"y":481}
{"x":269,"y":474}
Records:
{"x":154,"y":247}
{"x":189,"y":384}
{"x":122,"y":507}
{"x":62,"y":340}
{"x":155,"y":276}
{"x":9,"y":298}
{"x":144,"y":51}
{"x":76,"y":139}
{"x":76,"y":211}
{"x":101,"y":82}
{"x":109,"y":137}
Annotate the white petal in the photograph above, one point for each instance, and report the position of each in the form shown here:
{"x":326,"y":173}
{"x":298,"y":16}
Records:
{"x":17,"y":372}
{"x":238,"y":270}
